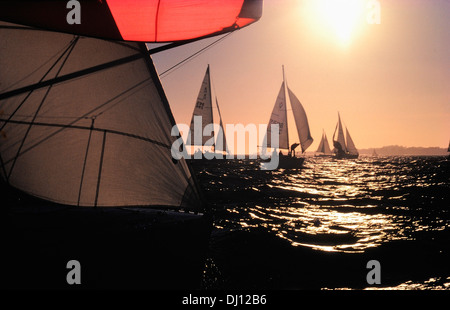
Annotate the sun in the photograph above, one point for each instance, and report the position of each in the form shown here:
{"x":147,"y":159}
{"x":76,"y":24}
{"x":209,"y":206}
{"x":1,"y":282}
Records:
{"x":340,"y":18}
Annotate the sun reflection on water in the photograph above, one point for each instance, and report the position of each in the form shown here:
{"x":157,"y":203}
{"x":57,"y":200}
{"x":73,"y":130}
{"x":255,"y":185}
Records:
{"x":334,"y":205}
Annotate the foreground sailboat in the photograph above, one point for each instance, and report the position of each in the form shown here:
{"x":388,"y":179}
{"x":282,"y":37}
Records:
{"x":279,"y":116}
{"x":203,"y":117}
{"x":88,"y":179}
{"x":323,"y":150}
{"x":343,"y":148}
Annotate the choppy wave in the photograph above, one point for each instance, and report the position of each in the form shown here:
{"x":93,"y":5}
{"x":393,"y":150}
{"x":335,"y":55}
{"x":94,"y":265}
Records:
{"x":344,"y":206}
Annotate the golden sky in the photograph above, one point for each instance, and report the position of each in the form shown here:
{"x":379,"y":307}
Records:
{"x":389,"y":81}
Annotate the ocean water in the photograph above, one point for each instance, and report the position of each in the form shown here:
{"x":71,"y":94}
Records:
{"x":318,"y":227}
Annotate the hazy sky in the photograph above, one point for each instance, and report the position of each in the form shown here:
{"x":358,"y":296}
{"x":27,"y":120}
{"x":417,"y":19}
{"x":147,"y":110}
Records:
{"x":389,"y":81}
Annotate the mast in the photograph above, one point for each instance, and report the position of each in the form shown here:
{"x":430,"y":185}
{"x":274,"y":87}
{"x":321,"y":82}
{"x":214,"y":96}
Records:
{"x":285,"y":109}
{"x":211,"y":110}
{"x":279,"y":116}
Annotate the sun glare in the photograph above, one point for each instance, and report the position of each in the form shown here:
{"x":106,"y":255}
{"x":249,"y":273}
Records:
{"x":340,"y":18}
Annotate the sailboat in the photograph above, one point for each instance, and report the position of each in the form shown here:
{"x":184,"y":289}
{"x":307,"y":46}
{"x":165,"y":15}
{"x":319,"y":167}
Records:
{"x":203,"y":115}
{"x":448,"y":150}
{"x":343,"y":147}
{"x":91,"y":195}
{"x":323,"y":150}
{"x":279,"y":116}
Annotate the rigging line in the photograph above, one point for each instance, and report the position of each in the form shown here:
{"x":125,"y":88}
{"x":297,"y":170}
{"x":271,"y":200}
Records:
{"x":86,"y":115}
{"x":135,"y":89}
{"x":84,"y":162}
{"x":71,"y":76}
{"x":168,"y":71}
{"x":3,"y":168}
{"x":65,"y":48}
{"x":71,"y":43}
{"x":38,"y":109}
{"x":100,"y":168}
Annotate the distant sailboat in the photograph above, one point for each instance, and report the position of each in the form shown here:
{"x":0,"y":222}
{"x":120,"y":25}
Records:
{"x":323,"y":150}
{"x":279,"y":116}
{"x":448,"y":149}
{"x":374,"y":153}
{"x":203,"y":115}
{"x":343,"y":148}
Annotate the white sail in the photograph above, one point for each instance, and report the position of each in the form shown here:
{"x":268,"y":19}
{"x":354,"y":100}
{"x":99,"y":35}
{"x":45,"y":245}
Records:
{"x":203,"y":108}
{"x":86,"y":122}
{"x":301,"y":121}
{"x":350,"y":145}
{"x":320,"y":148}
{"x":221,"y":141}
{"x":279,"y":116}
{"x":324,"y":147}
{"x":340,"y":141}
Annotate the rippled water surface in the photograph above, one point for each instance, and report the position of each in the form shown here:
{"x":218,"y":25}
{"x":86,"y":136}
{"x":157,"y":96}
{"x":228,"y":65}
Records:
{"x":333,"y":206}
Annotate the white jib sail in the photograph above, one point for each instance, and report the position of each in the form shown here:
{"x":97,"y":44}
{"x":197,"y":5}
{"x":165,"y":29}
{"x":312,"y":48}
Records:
{"x":86,"y":122}
{"x":326,"y":146}
{"x":320,"y":148}
{"x":221,"y":141}
{"x":340,"y":137}
{"x":350,"y":145}
{"x":203,"y":108}
{"x":301,"y":121}
{"x":279,"y":116}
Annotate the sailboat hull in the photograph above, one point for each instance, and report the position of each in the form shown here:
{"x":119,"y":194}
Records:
{"x":117,"y":248}
{"x":287,"y":162}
